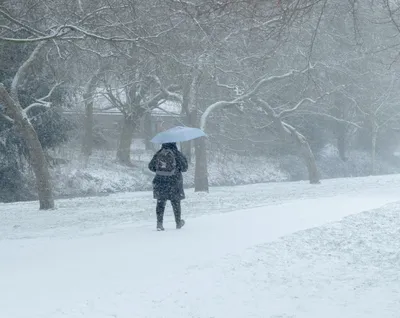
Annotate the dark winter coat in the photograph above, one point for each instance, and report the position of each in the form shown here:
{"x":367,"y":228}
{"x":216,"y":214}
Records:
{"x":169,"y":188}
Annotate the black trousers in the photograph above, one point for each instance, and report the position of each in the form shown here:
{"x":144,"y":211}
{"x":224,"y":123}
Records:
{"x":176,"y":206}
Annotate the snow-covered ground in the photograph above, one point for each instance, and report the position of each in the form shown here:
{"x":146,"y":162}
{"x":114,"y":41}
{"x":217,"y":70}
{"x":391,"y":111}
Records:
{"x":266,"y":250}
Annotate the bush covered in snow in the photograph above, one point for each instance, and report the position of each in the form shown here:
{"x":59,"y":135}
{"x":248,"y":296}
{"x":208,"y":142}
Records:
{"x":102,"y":174}
{"x":358,"y":163}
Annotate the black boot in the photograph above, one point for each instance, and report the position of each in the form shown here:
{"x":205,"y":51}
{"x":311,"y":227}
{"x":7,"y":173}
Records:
{"x":176,"y":205}
{"x":160,"y":214}
{"x":180,"y":224}
{"x":160,"y":226}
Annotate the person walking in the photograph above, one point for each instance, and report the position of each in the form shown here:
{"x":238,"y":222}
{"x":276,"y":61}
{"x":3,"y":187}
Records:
{"x":168,"y":164}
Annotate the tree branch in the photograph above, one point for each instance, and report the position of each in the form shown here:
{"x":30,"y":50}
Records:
{"x":332,"y":117}
{"x":22,"y":70}
{"x":42,"y":102}
{"x":9,"y":119}
{"x":283,"y":113}
{"x":21,"y":24}
{"x":251,"y":93}
{"x":58,"y":33}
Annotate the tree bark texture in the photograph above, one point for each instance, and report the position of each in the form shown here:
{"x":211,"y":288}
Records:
{"x":187,"y":145}
{"x":36,"y":154}
{"x":148,"y":131}
{"x":87,"y":144}
{"x":125,"y":140}
{"x":374,"y":137}
{"x":200,"y":153}
{"x":290,"y":133}
{"x":341,"y":142}
{"x":340,"y":128}
{"x":201,"y":169}
{"x":306,"y":153}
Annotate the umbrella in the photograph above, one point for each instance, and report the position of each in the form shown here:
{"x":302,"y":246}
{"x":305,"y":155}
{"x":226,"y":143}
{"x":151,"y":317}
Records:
{"x":178,"y":134}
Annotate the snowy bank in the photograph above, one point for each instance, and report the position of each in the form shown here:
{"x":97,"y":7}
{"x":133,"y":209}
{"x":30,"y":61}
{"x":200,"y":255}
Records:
{"x":103,"y":175}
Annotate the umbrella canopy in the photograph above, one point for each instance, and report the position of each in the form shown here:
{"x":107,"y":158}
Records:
{"x":178,"y":134}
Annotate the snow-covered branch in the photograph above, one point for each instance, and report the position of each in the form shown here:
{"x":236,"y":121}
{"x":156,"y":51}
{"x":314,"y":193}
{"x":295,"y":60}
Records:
{"x":91,"y":50}
{"x":286,"y":112}
{"x":194,"y":88}
{"x":21,"y":24}
{"x":58,"y":33}
{"x":253,"y":27}
{"x":114,"y":100}
{"x":293,"y":132}
{"x":63,"y":30}
{"x":266,"y":80}
{"x":385,"y":97}
{"x":36,"y":104}
{"x":9,"y":119}
{"x":43,"y":101}
{"x":164,"y":110}
{"x":249,"y":94}
{"x":22,"y":70}
{"x":268,"y":109}
{"x":230,"y":87}
{"x":50,"y":92}
{"x":306,"y":99}
{"x":167,"y":94}
{"x":340,"y":120}
{"x":213,"y":107}
{"x":174,"y":96}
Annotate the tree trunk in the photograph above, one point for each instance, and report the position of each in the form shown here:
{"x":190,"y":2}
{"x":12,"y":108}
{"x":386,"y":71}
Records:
{"x":125,"y":141}
{"x":37,"y":157}
{"x":190,"y":105}
{"x":201,"y":170}
{"x":200,"y":153}
{"x":289,"y":132}
{"x":340,"y":128}
{"x":187,"y":150}
{"x":148,"y":133}
{"x":306,"y":153}
{"x":187,"y":145}
{"x":309,"y":159}
{"x":341,"y":140}
{"x":87,"y":144}
{"x":191,"y":120}
{"x":374,"y":136}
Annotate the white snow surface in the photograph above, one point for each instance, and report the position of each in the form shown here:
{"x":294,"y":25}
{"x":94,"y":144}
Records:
{"x":265,"y":250}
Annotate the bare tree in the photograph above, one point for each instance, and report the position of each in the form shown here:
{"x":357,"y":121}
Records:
{"x":90,"y":90}
{"x":20,"y":119}
{"x":284,"y":128}
{"x":81,"y":25}
{"x":288,"y":132}
{"x":208,"y":55}
{"x":379,"y":110}
{"x":134,"y":101}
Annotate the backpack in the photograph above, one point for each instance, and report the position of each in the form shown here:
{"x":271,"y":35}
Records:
{"x":166,"y":163}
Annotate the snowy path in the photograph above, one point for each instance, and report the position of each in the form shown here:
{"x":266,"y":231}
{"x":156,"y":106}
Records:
{"x":284,"y":259}
{"x":98,"y":215}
